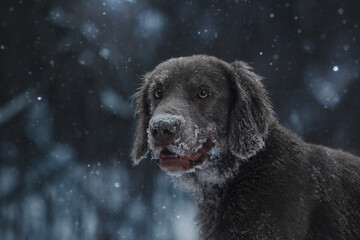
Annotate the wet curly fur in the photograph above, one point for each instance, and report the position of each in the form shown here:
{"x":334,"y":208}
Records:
{"x":264,"y":182}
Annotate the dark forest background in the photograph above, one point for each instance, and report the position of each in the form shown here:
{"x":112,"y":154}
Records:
{"x":67,"y":72}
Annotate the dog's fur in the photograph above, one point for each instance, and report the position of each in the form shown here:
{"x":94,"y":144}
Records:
{"x":259,"y":181}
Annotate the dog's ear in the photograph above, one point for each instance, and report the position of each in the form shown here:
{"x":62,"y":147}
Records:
{"x":140,"y":147}
{"x":251,"y":111}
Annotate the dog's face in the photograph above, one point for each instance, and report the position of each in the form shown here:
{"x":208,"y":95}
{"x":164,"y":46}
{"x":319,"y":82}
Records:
{"x":193,"y":111}
{"x":189,"y":107}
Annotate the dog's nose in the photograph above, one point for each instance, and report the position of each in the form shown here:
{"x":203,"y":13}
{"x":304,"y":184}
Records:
{"x":164,"y":129}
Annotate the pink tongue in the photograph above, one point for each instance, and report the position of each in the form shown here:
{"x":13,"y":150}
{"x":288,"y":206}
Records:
{"x":174,"y":162}
{"x":165,"y":154}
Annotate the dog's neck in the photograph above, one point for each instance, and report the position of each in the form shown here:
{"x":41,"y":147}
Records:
{"x":205,"y":182}
{"x":208,"y":183}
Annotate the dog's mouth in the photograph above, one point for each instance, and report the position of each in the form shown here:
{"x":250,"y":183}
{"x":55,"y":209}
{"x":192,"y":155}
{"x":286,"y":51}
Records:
{"x":172,"y":162}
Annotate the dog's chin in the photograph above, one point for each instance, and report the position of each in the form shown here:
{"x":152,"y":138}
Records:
{"x":174,"y":164}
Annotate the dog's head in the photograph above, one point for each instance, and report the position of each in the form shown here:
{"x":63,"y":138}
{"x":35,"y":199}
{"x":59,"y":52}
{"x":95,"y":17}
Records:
{"x":194,"y":110}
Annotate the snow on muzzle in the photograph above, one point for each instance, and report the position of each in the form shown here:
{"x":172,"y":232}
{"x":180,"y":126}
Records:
{"x":175,"y":163}
{"x":174,"y":142}
{"x":164,"y":128}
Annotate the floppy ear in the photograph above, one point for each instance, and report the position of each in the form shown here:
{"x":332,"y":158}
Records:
{"x":140,"y":147}
{"x":251,"y":112}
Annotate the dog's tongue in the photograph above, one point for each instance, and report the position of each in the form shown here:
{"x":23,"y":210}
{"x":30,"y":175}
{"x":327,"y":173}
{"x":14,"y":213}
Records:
{"x":166,"y":154}
{"x":173,"y":162}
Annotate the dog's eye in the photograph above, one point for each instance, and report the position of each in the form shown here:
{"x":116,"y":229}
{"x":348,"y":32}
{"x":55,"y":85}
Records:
{"x":158,"y":93}
{"x":203,"y":94}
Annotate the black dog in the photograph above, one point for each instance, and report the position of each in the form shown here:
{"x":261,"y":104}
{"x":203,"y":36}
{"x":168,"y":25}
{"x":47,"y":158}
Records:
{"x":210,"y":126}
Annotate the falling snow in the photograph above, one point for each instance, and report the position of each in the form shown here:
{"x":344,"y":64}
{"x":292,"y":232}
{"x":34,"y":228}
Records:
{"x":68,"y":71}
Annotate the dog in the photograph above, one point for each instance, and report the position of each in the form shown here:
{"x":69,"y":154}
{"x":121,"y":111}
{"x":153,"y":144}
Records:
{"x":210,"y":126}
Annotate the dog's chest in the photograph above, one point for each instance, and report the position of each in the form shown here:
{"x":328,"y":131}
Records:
{"x":226,"y":215}
{"x":217,"y":214}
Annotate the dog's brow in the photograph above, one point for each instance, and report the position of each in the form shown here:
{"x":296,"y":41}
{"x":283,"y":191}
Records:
{"x":162,"y":76}
{"x":208,"y":80}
